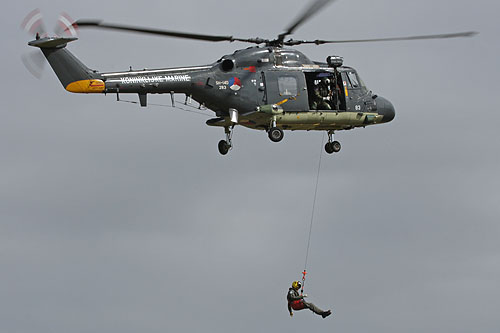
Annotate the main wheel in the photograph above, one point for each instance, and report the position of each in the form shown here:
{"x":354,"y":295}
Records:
{"x":329,"y":148}
{"x":223,"y":147}
{"x":336,"y":146}
{"x":275,"y":134}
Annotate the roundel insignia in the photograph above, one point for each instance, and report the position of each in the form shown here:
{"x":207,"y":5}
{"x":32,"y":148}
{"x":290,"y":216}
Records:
{"x":234,"y":84}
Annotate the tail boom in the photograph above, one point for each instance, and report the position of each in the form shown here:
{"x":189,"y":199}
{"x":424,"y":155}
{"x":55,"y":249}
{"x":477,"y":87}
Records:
{"x":78,"y":78}
{"x":73,"y":74}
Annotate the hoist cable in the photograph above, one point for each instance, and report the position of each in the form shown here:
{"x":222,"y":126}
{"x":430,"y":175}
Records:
{"x":312,"y":213}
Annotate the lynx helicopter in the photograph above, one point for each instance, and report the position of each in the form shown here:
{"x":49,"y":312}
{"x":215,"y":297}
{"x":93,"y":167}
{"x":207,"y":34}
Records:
{"x":268,"y":87}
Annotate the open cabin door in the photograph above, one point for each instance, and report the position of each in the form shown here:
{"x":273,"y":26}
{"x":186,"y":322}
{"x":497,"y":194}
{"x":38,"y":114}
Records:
{"x":325,"y":91}
{"x":286,"y":85}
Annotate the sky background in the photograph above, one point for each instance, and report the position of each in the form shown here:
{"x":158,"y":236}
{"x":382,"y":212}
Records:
{"x":116,"y":218}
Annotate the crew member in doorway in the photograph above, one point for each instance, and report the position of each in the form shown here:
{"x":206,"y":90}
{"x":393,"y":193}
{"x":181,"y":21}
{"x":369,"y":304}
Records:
{"x":322,"y":95}
{"x":296,"y":301}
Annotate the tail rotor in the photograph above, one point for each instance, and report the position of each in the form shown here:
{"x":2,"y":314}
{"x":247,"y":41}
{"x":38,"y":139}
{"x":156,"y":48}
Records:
{"x":33,"y":24}
{"x":66,"y":26}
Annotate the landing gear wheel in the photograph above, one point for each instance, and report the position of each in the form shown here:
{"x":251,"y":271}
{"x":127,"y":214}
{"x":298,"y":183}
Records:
{"x":275,"y":134}
{"x":329,"y":147}
{"x":336,"y":146}
{"x":223,"y":147}
{"x":226,"y":145}
{"x":332,"y":147}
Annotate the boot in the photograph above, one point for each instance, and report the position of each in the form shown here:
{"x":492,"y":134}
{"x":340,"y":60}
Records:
{"x":326,"y":313}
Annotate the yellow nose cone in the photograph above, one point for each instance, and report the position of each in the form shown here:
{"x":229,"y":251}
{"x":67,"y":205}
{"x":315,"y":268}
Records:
{"x":86,"y":86}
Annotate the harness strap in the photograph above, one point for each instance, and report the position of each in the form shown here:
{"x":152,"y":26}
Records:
{"x":297,"y":305}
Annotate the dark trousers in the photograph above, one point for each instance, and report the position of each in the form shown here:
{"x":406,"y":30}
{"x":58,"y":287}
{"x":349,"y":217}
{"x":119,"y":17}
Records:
{"x":313,"y":308}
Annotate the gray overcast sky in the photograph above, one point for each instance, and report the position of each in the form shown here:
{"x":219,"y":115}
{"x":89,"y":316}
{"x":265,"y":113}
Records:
{"x":120,"y":219}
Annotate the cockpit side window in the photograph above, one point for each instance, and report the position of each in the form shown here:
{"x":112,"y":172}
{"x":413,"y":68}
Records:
{"x":362,"y":83}
{"x":288,"y":86}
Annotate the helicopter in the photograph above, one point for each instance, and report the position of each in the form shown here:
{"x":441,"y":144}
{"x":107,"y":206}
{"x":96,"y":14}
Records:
{"x":270,"y":86}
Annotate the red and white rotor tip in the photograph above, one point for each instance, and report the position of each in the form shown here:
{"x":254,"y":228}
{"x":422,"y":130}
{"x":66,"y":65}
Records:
{"x":33,"y":23}
{"x":66,"y":26}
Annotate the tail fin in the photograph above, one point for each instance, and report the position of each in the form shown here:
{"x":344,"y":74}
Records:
{"x":73,"y":74}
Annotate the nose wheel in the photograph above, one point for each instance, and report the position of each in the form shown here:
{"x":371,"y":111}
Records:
{"x":226,"y":145}
{"x":332,"y":146}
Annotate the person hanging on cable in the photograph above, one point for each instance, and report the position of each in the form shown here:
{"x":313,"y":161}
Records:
{"x":296,"y":301}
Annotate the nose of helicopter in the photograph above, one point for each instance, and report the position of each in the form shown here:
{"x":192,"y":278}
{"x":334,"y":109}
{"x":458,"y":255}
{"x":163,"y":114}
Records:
{"x":385,"y":108}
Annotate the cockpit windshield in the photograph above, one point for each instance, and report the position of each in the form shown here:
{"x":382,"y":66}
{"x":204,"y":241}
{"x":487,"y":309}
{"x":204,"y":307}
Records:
{"x":353,"y":80}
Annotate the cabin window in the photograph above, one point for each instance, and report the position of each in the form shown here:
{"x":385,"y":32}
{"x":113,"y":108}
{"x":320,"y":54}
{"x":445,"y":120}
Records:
{"x":288,"y":86}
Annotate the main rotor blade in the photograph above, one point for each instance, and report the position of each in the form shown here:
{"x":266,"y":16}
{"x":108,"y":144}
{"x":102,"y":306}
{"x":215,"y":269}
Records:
{"x":439,"y":36}
{"x":308,"y":13}
{"x":210,"y":38}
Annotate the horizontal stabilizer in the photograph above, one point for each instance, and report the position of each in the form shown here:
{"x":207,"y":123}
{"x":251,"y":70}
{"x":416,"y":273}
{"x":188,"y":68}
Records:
{"x":51,"y":42}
